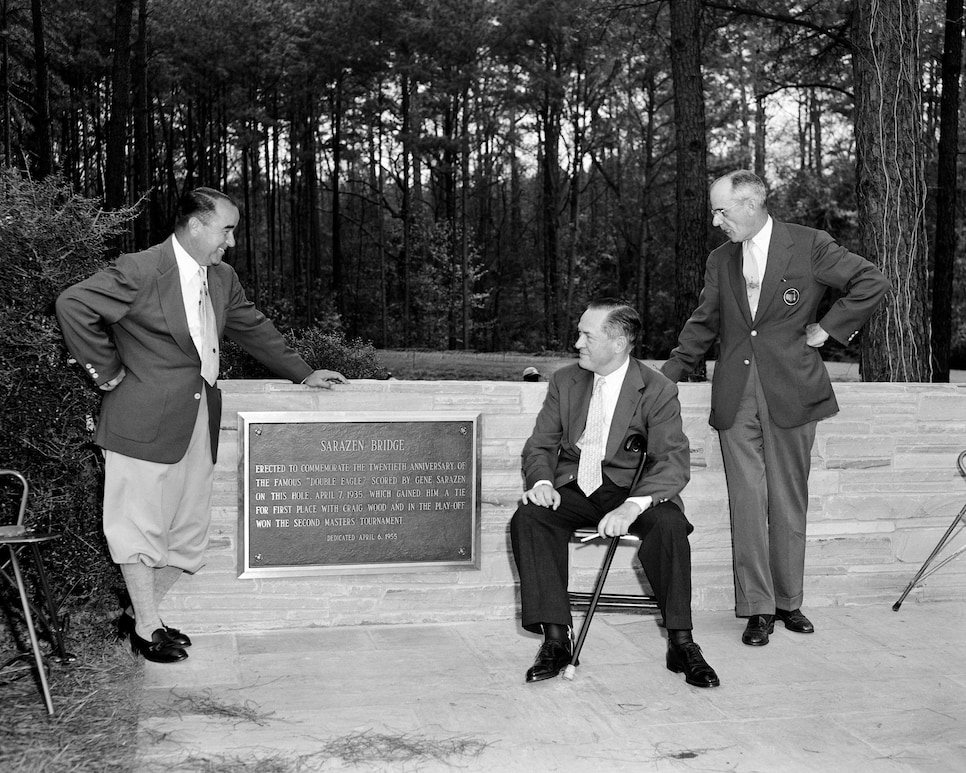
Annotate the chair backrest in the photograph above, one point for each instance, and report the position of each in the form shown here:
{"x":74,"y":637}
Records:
{"x":23,"y":495}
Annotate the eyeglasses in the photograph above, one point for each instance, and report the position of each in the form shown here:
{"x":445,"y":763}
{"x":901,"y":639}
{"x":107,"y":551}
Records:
{"x":722,"y":210}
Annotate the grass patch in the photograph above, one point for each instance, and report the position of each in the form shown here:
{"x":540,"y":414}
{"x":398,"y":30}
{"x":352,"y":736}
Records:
{"x":96,"y":700}
{"x":206,"y":704}
{"x":467,"y":366}
{"x":365,"y":750}
{"x":369,"y":747}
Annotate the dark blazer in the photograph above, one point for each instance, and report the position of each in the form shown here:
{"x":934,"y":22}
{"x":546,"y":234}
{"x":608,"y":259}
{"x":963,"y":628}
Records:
{"x":647,"y":406}
{"x":132,"y":314}
{"x":802,"y":264}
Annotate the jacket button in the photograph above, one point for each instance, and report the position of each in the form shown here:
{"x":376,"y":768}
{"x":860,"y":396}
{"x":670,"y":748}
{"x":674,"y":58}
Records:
{"x":747,"y":362}
{"x":197,"y":395}
{"x":754,"y":333}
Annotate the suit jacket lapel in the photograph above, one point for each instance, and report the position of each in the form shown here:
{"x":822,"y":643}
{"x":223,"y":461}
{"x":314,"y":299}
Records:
{"x":737,"y":276}
{"x":583,"y":387}
{"x":628,"y":404}
{"x":172,"y":300}
{"x":779,"y":255}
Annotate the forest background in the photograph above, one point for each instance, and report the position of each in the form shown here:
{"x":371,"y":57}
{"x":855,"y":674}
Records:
{"x":466,"y":174}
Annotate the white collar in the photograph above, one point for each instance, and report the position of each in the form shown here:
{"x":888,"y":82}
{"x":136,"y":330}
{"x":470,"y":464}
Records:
{"x":616,"y":377}
{"x":763,"y":238}
{"x":187,"y":265}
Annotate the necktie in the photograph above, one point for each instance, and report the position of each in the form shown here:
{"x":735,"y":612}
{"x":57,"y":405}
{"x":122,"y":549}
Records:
{"x":589,"y":475}
{"x":209,"y":340}
{"x":752,"y":272}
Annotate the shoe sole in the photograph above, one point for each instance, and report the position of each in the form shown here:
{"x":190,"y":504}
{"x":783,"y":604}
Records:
{"x":797,"y":630}
{"x":542,"y":677}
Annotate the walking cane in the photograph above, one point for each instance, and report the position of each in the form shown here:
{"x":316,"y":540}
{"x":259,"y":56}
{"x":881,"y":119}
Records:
{"x":634,"y":443}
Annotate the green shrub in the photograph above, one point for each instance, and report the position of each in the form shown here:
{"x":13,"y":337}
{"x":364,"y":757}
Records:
{"x":49,"y":239}
{"x":322,"y":350}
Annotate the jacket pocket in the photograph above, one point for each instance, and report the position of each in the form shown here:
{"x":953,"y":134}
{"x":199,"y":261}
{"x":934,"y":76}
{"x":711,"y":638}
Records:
{"x":135,"y":410}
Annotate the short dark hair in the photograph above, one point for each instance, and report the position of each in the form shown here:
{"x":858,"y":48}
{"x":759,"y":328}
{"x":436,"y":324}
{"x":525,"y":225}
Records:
{"x":747,"y":185}
{"x":200,"y":203}
{"x":622,"y":319}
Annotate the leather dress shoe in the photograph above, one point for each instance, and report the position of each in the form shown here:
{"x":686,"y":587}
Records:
{"x":552,"y":657}
{"x":795,"y":621}
{"x":125,"y":627}
{"x":687,"y":659}
{"x":757,"y":630}
{"x":161,"y":649}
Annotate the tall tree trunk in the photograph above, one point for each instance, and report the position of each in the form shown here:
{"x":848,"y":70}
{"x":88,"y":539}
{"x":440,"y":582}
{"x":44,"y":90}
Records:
{"x":5,"y":82}
{"x":691,"y":186}
{"x":577,"y":131}
{"x":338,"y":269}
{"x":891,"y":186}
{"x":947,"y":164}
{"x":815,"y":108}
{"x":464,"y":190}
{"x":43,"y":151}
{"x":142,"y":133}
{"x":120,"y":105}
{"x":407,"y":240}
{"x":549,"y":120}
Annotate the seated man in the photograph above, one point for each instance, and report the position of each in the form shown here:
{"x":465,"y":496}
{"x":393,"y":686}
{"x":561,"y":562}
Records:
{"x":579,"y":467}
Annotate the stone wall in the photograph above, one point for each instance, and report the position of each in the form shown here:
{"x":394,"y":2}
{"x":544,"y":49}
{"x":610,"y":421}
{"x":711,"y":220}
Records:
{"x":884,"y":488}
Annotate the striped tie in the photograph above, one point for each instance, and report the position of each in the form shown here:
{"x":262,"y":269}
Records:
{"x":589,"y":476}
{"x":209,"y":341}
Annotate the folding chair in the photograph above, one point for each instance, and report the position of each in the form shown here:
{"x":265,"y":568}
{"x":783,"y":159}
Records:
{"x":15,"y":538}
{"x":597,"y":599}
{"x":924,"y":570}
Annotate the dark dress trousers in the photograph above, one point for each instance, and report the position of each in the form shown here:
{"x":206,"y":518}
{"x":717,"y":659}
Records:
{"x":647,"y":406}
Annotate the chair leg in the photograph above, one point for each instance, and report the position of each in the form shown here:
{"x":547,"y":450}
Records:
{"x":38,"y":657}
{"x":54,"y":625}
{"x":939,"y":546}
{"x":598,"y":589}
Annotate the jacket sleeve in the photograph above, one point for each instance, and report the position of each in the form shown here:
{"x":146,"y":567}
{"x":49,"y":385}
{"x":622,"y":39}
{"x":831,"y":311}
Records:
{"x":255,"y":333}
{"x":542,"y":447}
{"x":667,"y":468}
{"x":700,"y":331}
{"x":87,"y":309}
{"x":862,"y":285}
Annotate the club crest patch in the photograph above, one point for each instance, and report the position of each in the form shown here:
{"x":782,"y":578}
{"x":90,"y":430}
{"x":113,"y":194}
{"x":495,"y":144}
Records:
{"x":791,"y":296}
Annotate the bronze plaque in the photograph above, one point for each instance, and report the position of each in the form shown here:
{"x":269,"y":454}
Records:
{"x":324,"y":493}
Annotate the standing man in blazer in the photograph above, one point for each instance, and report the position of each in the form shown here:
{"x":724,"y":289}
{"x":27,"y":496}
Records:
{"x":761,"y":299}
{"x":579,"y":465}
{"x":147,"y":331}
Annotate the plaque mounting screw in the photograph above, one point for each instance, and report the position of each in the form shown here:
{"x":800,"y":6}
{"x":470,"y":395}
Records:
{"x":463,"y":430}
{"x":258,"y":430}
{"x":258,"y":556}
{"x":461,"y":551}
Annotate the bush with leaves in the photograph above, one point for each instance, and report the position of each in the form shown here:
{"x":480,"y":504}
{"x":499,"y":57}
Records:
{"x":353,"y":358}
{"x":49,"y":239}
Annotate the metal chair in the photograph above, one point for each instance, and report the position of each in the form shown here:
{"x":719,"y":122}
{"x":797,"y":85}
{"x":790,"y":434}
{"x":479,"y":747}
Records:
{"x":14,"y":538}
{"x":597,"y":599}
{"x":924,"y":570}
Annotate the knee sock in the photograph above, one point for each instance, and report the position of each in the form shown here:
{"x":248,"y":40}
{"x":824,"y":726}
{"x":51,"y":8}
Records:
{"x":164,"y":578}
{"x":139,"y":580}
